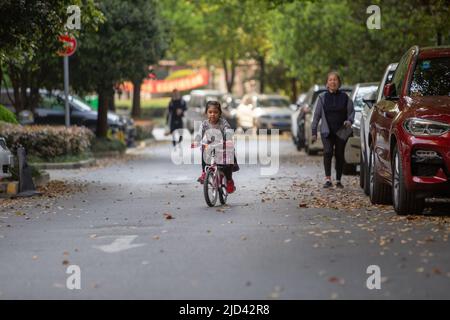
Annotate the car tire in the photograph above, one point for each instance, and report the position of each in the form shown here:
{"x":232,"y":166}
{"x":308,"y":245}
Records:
{"x":405,"y":202}
{"x":349,"y":169}
{"x":366,"y":187}
{"x":362,"y":172}
{"x":311,"y":152}
{"x":379,"y":193}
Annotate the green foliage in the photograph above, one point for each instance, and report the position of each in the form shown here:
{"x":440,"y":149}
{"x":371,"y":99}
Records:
{"x":7,"y":116}
{"x":102,"y":145}
{"x":47,"y":142}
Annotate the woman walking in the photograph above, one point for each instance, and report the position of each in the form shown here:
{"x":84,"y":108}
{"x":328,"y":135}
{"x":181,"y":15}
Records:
{"x":176,"y":109}
{"x":336,"y":114}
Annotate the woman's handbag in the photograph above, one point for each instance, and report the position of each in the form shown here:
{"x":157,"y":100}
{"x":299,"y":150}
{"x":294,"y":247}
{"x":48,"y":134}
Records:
{"x":344,"y":133}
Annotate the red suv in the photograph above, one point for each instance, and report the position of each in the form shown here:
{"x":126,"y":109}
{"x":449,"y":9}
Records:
{"x":410,"y":133}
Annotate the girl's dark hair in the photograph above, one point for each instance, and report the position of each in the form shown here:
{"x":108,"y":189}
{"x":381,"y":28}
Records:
{"x":213,"y":103}
{"x":335,"y":73}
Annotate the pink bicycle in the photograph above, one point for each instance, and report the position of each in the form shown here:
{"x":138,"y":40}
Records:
{"x":215,"y":184}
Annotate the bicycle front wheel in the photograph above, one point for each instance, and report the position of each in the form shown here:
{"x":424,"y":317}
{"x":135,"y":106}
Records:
{"x":210,"y":189}
{"x":223,"y":190}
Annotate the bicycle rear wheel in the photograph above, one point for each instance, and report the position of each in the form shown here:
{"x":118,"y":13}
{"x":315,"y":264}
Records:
{"x":209,"y":189}
{"x":223,"y":195}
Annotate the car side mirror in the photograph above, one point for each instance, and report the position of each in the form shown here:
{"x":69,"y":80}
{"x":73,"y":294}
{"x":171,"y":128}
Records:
{"x":370,"y":99}
{"x":389,"y":92}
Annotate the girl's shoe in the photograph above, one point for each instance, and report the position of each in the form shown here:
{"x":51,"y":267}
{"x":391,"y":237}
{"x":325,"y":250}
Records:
{"x":230,"y":186}
{"x":201,"y":179}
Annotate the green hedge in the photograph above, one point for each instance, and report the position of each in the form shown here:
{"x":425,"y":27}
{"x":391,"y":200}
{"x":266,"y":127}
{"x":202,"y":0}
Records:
{"x":48,"y":142}
{"x":7,"y":116}
{"x":101,"y":145}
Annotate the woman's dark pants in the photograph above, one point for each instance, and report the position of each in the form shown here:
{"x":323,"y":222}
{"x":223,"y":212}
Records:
{"x":333,"y":145}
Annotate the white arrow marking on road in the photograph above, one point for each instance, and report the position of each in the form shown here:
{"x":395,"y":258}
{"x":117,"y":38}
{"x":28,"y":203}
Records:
{"x":120,"y":244}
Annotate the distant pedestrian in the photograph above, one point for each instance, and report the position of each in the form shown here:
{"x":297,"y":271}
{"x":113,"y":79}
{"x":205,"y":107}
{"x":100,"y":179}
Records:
{"x":175,"y":114}
{"x":336,"y":114}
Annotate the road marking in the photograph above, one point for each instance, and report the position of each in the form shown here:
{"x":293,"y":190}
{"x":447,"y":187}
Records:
{"x":120,"y":244}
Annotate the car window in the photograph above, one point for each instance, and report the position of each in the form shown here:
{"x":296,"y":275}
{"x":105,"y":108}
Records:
{"x":273,"y":102}
{"x":51,"y":102}
{"x":358,"y":103}
{"x":431,"y":77}
{"x":401,"y":71}
{"x":80,"y":104}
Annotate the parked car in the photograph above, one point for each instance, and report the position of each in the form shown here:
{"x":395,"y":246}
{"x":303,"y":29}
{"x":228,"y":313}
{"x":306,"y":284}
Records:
{"x":353,"y":146}
{"x":261,"y":111}
{"x":294,"y":117}
{"x":410,"y":132}
{"x":6,"y":160}
{"x":229,"y":105}
{"x":196,"y":107}
{"x":51,"y":111}
{"x":298,"y":117}
{"x":305,"y":124}
{"x":366,"y":113}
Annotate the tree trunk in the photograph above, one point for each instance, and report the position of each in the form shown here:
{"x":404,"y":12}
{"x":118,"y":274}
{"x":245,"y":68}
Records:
{"x":102,"y":116}
{"x":13,"y":75}
{"x":439,"y":37}
{"x":111,"y":102}
{"x":136,"y":107}
{"x":34,"y":97}
{"x":229,"y":74}
{"x":262,"y":73}
{"x":293,"y":90}
{"x":23,"y":88}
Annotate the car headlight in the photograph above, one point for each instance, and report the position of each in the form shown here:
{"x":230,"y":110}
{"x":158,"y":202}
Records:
{"x":424,"y":127}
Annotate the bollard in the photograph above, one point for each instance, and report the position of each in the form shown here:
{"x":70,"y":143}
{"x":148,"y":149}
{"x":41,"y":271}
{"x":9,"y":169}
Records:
{"x":26,"y":184}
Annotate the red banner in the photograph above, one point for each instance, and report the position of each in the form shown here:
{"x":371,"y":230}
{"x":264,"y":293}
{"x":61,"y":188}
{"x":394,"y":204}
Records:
{"x":195,"y":80}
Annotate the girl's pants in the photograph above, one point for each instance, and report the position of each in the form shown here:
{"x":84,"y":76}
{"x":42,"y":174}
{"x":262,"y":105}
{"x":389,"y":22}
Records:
{"x":333,"y":144}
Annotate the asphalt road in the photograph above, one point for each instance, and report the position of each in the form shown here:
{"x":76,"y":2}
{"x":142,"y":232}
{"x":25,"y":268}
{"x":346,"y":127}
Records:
{"x":275,"y":239}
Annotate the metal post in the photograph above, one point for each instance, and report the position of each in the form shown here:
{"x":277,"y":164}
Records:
{"x":66,"y":89}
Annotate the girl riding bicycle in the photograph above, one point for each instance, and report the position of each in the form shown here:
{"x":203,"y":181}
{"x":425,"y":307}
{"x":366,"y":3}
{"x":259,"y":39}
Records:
{"x":214,"y":124}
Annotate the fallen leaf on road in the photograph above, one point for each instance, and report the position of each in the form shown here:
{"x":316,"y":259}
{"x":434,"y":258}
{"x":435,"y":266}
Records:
{"x":168,"y":216}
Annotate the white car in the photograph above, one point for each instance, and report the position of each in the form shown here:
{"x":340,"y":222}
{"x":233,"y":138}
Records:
{"x":260,"y":111}
{"x":6,"y":159}
{"x":353,"y":146}
{"x":366,"y":113}
{"x":294,"y":117}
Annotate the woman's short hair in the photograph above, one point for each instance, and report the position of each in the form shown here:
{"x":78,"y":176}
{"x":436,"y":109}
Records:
{"x":335,"y":73}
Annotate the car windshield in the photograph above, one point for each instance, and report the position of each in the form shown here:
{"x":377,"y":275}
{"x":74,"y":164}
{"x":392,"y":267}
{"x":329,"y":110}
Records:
{"x":80,"y":104}
{"x":431,"y":77}
{"x":359,"y":103}
{"x":273,"y":102}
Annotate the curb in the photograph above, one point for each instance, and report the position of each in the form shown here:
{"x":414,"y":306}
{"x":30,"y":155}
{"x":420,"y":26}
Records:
{"x":65,"y":165}
{"x":146,"y":143}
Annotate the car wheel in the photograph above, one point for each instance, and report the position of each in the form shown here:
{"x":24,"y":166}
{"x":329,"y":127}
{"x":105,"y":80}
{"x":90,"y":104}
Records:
{"x":365,"y":165}
{"x":361,"y":171}
{"x":405,"y":202}
{"x":380,"y":193}
{"x":349,"y":169}
{"x":311,"y":152}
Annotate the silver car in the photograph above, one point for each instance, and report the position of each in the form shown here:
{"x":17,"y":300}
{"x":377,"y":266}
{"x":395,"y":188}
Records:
{"x":261,"y":111}
{"x":6,"y":159}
